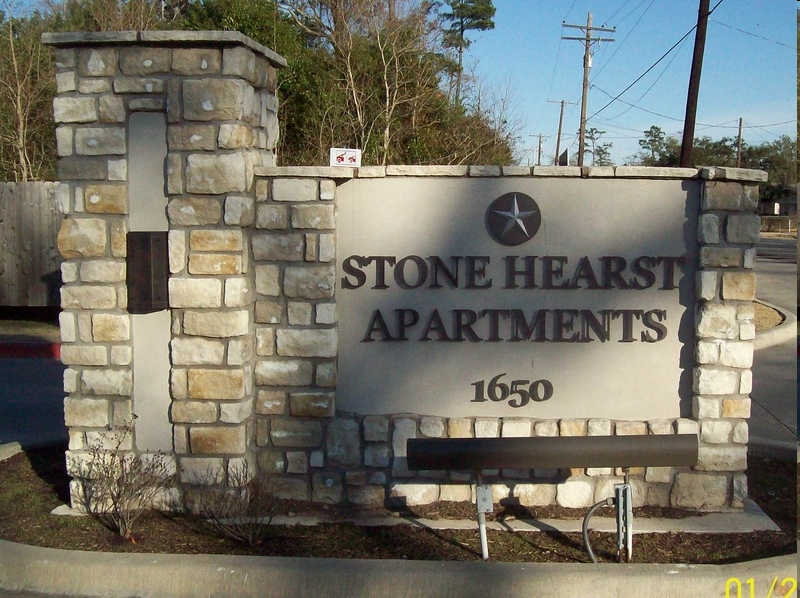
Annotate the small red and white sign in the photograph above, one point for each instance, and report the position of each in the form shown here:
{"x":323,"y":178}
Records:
{"x":340,"y":156}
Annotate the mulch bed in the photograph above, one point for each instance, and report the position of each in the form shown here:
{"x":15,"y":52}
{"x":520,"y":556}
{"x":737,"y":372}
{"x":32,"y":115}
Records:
{"x":35,"y":482}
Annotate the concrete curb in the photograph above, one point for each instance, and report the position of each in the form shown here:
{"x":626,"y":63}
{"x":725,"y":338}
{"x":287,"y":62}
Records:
{"x":65,"y":572}
{"x":785,"y":331}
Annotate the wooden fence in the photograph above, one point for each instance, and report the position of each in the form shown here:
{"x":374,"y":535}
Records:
{"x":30,"y":265}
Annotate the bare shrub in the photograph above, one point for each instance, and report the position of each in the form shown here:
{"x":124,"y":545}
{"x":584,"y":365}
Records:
{"x":118,"y":486}
{"x":244,"y":507}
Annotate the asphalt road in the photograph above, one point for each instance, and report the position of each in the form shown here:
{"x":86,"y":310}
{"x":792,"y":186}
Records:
{"x":774,"y":408}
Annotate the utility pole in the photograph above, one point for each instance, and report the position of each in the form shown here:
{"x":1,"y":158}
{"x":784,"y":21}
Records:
{"x":587,"y":40}
{"x":694,"y":85}
{"x":539,"y":157}
{"x":739,"y":146}
{"x":560,"y":123}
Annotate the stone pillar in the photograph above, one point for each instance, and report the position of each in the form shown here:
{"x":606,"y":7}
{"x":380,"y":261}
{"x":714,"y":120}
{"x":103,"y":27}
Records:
{"x":728,"y":231}
{"x":217,"y":90}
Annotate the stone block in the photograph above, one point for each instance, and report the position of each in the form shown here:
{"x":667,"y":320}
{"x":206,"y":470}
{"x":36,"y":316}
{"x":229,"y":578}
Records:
{"x":193,"y":412}
{"x":535,"y":495}
{"x":516,"y":427}
{"x":194,"y":211}
{"x":239,"y":210}
{"x":327,"y":248}
{"x":743,"y":228}
{"x":98,"y":141}
{"x":326,"y":374}
{"x":196,"y":351}
{"x":270,"y":402}
{"x":118,"y":170}
{"x":313,"y":282}
{"x":97,"y":62}
{"x":196,"y":61}
{"x":218,"y":440}
{"x":344,"y":443}
{"x":74,"y":109}
{"x":659,"y":475}
{"x":707,"y":353}
{"x":575,"y":493}
{"x":685,"y":426}
{"x":106,"y":199}
{"x":660,"y":427}
{"x":144,"y":61}
{"x":109,"y":271}
{"x":215,"y":240}
{"x":295,"y":190}
{"x":119,"y":232}
{"x":192,"y":137}
{"x":545,"y":428}
{"x":414,"y":494}
{"x":195,"y":292}
{"x":307,"y":343}
{"x":272,"y":217}
{"x":278,"y":248}
{"x":705,"y":408}
{"x":327,"y":190}
{"x":708,"y":231}
{"x":572,"y":427}
{"x":110,"y":328}
{"x":240,"y":351}
{"x":318,"y":217}
{"x":216,"y":384}
{"x":216,"y":324}
{"x":88,"y":297}
{"x":84,"y":355}
{"x":717,"y":321}
{"x":216,"y":173}
{"x":715,"y":431}
{"x":459,"y":427}
{"x":296,"y":433}
{"x":80,"y":169}
{"x":699,"y":491}
{"x":174,"y":174}
{"x":111,"y":109}
{"x":376,"y":428}
{"x":376,"y":455}
{"x":268,"y":283}
{"x":299,"y":313}
{"x":284,"y":373}
{"x":265,"y":341}
{"x":736,"y":354}
{"x":741,"y":433}
{"x":432,"y":427}
{"x":214,"y":99}
{"x":739,"y":286}
{"x":312,"y":404}
{"x":626,"y":428}
{"x":89,"y":413}
{"x":455,"y":493}
{"x":598,"y":427}
{"x":485,"y":171}
{"x":721,"y":257}
{"x":326,"y":488}
{"x":721,"y":195}
{"x":722,"y":458}
{"x":82,"y":237}
{"x":138,"y":85}
{"x":710,"y":380}
{"x":235,"y":136}
{"x":235,"y":413}
{"x":736,"y":408}
{"x":215,"y":264}
{"x":373,"y":496}
{"x":292,"y":488}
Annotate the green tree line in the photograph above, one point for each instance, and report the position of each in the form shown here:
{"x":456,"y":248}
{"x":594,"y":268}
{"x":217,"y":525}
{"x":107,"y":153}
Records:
{"x":378,"y":75}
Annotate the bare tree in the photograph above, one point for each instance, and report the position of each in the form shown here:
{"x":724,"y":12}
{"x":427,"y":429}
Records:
{"x":25,"y":95}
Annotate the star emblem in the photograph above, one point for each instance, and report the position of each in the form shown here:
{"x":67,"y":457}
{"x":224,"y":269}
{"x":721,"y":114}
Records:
{"x":513,"y":218}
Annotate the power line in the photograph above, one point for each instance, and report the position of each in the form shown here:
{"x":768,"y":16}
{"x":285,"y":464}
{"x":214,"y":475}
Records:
{"x":617,"y":49}
{"x":652,"y":66}
{"x":750,"y":33}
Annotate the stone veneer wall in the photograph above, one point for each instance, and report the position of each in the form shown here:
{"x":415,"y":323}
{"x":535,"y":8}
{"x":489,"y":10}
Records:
{"x":326,"y":456}
{"x":252,"y":254}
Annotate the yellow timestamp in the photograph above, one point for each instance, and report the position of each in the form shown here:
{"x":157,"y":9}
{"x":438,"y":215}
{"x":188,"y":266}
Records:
{"x":736,"y":588}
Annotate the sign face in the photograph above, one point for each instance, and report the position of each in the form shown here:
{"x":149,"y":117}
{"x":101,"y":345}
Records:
{"x":541,"y":298}
{"x":340,"y":156}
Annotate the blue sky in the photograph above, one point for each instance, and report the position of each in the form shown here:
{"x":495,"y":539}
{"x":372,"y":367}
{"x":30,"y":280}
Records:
{"x":749,"y":69}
